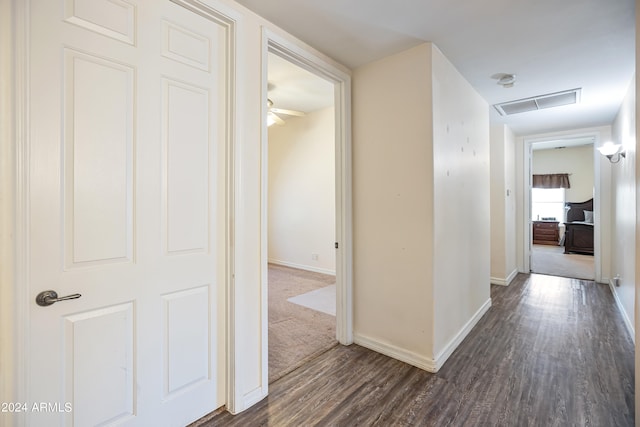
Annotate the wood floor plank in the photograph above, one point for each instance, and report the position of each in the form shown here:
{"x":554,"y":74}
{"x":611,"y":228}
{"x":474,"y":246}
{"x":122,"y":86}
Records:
{"x":550,"y":351}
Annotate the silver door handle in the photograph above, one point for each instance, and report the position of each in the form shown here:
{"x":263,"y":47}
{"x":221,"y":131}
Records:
{"x":46,"y":298}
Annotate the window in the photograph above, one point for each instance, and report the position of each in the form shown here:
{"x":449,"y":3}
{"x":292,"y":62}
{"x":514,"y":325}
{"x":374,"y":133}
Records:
{"x":547,"y":203}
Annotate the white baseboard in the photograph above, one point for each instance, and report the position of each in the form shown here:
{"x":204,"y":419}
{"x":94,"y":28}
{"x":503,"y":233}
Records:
{"x":504,"y":282}
{"x":253,"y":397}
{"x":627,"y":321}
{"x":419,"y":361}
{"x":397,"y":353}
{"x":302,"y":267}
{"x":455,"y":342}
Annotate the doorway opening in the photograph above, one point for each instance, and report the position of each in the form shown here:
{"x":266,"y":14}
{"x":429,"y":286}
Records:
{"x":562,"y":198}
{"x":301,"y":213}
{"x":339,"y":251}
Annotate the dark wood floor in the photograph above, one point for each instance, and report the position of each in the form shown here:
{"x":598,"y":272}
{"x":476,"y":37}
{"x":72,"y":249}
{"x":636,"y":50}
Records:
{"x":550,"y":352}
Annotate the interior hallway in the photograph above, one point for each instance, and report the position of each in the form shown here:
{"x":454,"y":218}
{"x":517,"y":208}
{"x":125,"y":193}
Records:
{"x":550,"y":351}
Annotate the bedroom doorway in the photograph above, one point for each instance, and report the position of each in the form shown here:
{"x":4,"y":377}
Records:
{"x":340,"y":241}
{"x":301,"y":216}
{"x":562,"y":196}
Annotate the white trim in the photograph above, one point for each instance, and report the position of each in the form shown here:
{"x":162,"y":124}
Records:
{"x":229,"y":20}
{"x":264,"y":206}
{"x":505,"y":282}
{"x":397,"y":353}
{"x":627,"y":320}
{"x":442,"y":357}
{"x":7,"y":217}
{"x":253,"y":397}
{"x":528,"y":183}
{"x":419,"y":361}
{"x":344,"y":221}
{"x":315,"y":63}
{"x":15,"y":369}
{"x":302,"y":266}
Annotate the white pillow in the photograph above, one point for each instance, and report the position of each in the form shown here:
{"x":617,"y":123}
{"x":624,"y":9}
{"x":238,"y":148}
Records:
{"x":588,"y":216}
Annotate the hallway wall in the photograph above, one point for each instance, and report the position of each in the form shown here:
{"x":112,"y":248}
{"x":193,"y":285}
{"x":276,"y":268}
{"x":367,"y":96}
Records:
{"x":623,"y":208}
{"x":503,"y":205}
{"x":421,"y":206}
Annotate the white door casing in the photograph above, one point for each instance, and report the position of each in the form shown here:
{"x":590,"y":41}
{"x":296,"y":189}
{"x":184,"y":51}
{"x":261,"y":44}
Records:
{"x":127,"y":206}
{"x":600,"y":198}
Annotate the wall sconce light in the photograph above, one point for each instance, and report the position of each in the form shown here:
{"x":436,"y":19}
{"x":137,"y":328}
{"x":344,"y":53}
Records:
{"x":612,"y":151}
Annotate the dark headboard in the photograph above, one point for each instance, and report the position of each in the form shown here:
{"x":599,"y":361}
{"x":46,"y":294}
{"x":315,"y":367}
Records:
{"x":576,"y":211}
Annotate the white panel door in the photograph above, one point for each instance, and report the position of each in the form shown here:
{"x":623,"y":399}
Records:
{"x":127,"y":208}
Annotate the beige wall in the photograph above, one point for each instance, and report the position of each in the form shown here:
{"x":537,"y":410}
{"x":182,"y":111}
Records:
{"x":461,"y":202}
{"x":623,"y":207}
{"x":393,"y":201}
{"x":421,"y":206}
{"x":577,"y":161}
{"x":511,"y":264}
{"x":503,"y":205}
{"x":301,"y":205}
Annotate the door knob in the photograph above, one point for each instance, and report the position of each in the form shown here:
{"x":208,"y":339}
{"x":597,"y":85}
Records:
{"x":46,"y":298}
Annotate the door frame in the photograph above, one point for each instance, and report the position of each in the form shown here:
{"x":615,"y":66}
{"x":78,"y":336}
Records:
{"x":274,"y":43}
{"x":599,"y":244}
{"x":14,"y":247}
{"x":14,"y":193}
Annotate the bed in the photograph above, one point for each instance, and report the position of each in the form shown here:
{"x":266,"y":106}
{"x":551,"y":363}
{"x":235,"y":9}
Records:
{"x":578,"y":236}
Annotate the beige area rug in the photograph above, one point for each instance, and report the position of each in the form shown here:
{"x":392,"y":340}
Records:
{"x":551,"y":260}
{"x":323,"y":299}
{"x":297,"y":334}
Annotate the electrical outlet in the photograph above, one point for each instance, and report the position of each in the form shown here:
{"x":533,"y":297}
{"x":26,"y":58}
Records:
{"x":314,"y":257}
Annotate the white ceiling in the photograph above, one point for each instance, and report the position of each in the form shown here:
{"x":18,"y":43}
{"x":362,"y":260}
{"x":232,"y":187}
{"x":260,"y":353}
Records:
{"x":551,"y":45}
{"x":294,"y":88}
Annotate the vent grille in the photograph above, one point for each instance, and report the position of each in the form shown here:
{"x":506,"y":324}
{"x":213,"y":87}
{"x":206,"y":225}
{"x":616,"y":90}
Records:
{"x":535,"y":103}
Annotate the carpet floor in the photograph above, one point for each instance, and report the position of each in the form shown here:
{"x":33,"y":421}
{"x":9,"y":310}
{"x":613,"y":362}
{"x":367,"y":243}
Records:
{"x":551,"y":260}
{"x":297,"y":334}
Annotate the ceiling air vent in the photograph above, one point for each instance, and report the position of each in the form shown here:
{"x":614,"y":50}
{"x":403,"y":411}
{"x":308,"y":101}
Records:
{"x":550,"y":100}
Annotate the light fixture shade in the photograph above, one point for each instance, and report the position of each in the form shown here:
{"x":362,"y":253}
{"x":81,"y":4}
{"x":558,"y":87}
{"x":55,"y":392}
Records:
{"x":609,"y":148}
{"x":613,"y":152}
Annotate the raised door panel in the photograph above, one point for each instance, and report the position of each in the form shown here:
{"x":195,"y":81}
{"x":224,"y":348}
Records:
{"x":111,"y":18}
{"x":186,"y":352}
{"x":98,"y":160}
{"x":186,"y":46}
{"x":97,"y":368}
{"x":186,"y":138}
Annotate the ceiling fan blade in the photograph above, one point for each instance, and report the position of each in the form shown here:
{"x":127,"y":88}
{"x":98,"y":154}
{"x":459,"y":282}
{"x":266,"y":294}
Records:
{"x":288,"y":112}
{"x":275,"y":118}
